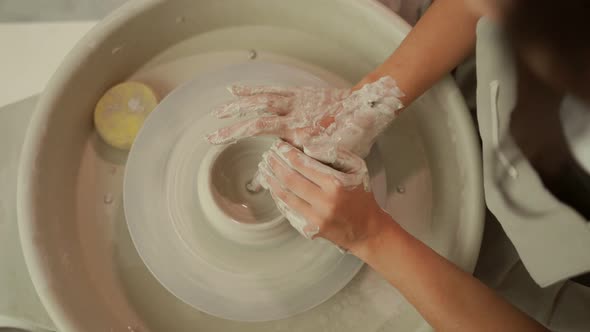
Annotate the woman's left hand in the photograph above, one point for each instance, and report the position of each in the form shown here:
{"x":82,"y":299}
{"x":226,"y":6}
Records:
{"x":305,"y":116}
{"x":330,"y":202}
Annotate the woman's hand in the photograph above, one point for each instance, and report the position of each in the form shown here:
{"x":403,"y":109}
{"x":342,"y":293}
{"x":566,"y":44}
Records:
{"x":330,"y":202}
{"x":340,"y":118}
{"x":347,"y":119}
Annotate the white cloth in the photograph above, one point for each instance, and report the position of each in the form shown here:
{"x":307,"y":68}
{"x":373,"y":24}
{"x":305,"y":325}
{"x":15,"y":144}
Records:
{"x":562,"y":307}
{"x":575,"y":119}
{"x":25,"y":71}
{"x":553,"y":240}
{"x":545,"y":242}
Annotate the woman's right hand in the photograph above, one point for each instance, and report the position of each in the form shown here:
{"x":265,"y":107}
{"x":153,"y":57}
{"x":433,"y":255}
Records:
{"x":335,"y":203}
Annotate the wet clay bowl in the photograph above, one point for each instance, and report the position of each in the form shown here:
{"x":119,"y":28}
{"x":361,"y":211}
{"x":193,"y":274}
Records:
{"x":204,"y":236}
{"x":82,"y":261}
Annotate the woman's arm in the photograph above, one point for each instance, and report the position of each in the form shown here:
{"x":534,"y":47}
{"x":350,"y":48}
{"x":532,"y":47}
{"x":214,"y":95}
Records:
{"x":440,"y":40}
{"x":443,"y":37}
{"x":447,"y":297}
{"x":335,"y":205}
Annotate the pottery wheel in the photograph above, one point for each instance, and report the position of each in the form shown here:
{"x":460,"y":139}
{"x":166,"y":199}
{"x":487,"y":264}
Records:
{"x":210,"y":242}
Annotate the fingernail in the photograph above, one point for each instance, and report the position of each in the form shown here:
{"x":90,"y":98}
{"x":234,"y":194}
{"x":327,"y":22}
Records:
{"x":274,"y":160}
{"x":313,"y":232}
{"x":280,"y":147}
{"x":265,"y":156}
{"x":272,"y":154}
{"x":284,"y":148}
{"x":264,"y":168}
{"x":275,"y":144}
{"x":342,"y":250}
{"x":217,"y":139}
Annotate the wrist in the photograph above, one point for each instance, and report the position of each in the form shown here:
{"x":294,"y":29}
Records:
{"x":382,"y":229}
{"x":370,"y":78}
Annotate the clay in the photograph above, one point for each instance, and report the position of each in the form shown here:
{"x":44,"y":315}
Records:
{"x":186,"y":201}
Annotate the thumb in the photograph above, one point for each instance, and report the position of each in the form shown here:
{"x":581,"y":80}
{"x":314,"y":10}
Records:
{"x":352,"y":169}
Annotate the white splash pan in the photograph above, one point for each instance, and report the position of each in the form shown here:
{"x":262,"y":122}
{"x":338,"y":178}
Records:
{"x":74,"y":236}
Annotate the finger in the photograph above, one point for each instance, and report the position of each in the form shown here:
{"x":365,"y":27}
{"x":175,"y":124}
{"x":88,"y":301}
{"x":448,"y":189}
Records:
{"x":297,"y":211}
{"x":345,"y":161}
{"x":241,"y":90}
{"x":258,"y":104}
{"x":318,"y":173}
{"x":284,"y":194}
{"x":267,"y":177}
{"x":255,"y":185}
{"x":347,"y":168}
{"x":306,"y":228}
{"x":352,"y":170}
{"x":270,"y":125}
{"x":291,"y":179}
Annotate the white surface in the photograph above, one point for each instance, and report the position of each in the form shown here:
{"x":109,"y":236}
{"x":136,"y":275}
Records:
{"x":31,"y":53}
{"x":19,"y":304}
{"x":249,"y":272}
{"x":551,"y":238}
{"x":55,"y":10}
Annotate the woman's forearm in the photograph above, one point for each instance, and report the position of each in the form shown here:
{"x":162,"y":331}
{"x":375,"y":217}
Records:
{"x":447,"y":297}
{"x":442,"y":38}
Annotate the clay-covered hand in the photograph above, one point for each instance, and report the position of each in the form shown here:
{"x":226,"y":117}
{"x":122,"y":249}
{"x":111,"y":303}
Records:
{"x":330,"y":202}
{"x":346,"y":119}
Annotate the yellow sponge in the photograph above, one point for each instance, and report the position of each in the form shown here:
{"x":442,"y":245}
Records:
{"x":121,"y":111}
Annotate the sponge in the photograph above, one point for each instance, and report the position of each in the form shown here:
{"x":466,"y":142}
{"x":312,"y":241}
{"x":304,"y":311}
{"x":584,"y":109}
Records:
{"x":121,"y":111}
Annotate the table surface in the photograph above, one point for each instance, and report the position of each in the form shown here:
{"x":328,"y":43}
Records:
{"x":31,"y":52}
{"x":55,"y":10}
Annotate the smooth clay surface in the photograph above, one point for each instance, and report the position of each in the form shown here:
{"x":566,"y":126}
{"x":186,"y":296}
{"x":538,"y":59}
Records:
{"x":235,"y":256}
{"x":230,"y":172}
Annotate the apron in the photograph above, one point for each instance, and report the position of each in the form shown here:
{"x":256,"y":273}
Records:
{"x":533,"y":244}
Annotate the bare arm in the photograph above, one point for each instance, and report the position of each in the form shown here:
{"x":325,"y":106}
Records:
{"x":337,"y":207}
{"x":438,"y":43}
{"x":447,"y":297}
{"x":443,"y":37}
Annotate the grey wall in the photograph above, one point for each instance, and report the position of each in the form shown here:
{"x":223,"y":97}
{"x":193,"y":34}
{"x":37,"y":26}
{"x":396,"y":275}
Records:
{"x":55,"y":10}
